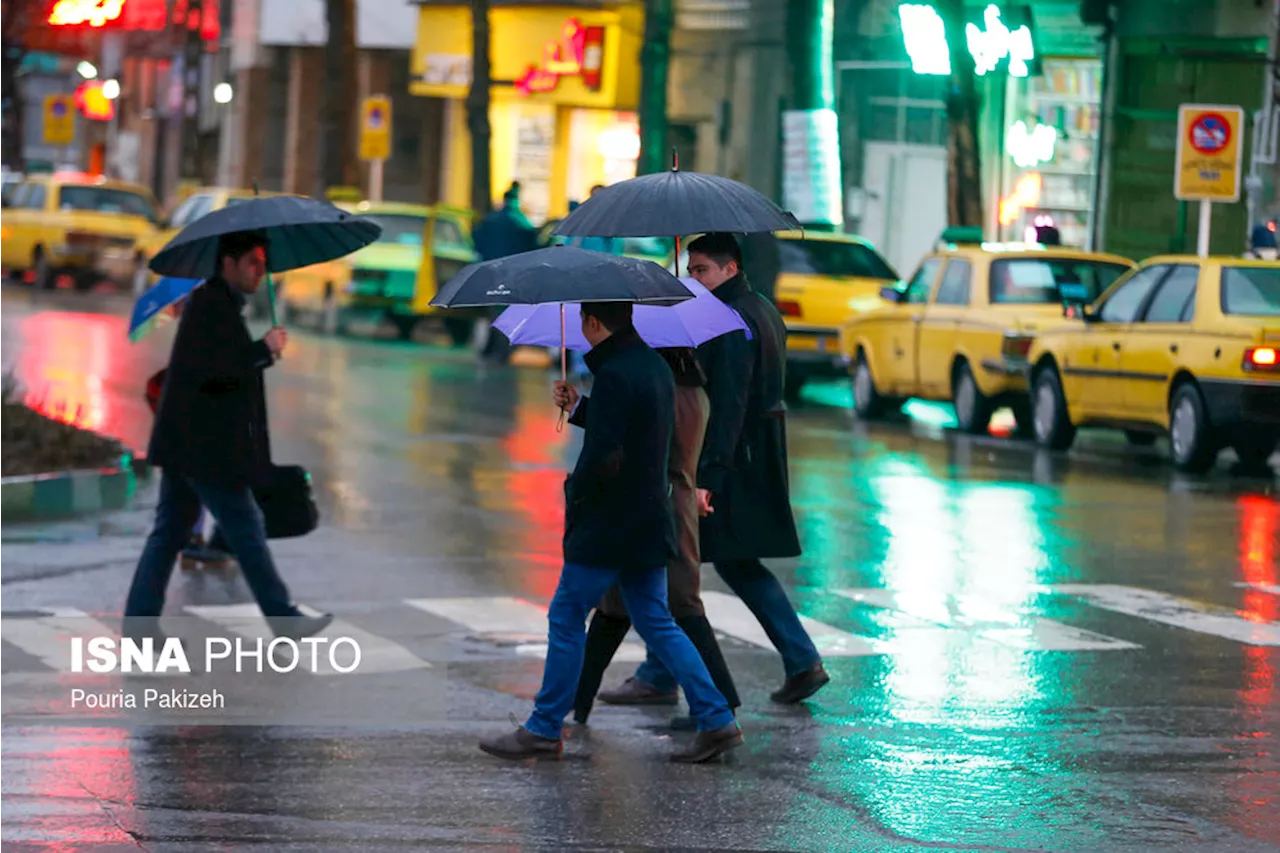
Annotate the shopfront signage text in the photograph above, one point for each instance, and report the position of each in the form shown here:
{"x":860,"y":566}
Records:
{"x":578,"y":53}
{"x":1031,"y":147}
{"x":990,"y":40}
{"x":95,"y":13}
{"x":994,"y":41}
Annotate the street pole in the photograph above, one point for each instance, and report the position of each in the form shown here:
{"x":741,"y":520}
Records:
{"x":375,"y":180}
{"x":655,"y":61}
{"x":1202,"y":239}
{"x":192,"y":51}
{"x":964,"y":172}
{"x":811,"y":175}
{"x":478,"y":111}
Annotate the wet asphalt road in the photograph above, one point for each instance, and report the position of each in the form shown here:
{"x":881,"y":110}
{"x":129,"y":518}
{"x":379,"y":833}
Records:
{"x":1029,"y":651}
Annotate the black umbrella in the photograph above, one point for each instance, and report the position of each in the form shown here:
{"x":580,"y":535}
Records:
{"x":675,"y":204}
{"x":299,"y":232}
{"x":561,"y":274}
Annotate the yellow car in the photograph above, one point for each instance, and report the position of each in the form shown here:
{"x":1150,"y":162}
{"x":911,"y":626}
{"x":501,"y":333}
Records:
{"x":1182,"y":345}
{"x":961,"y":329}
{"x":194,"y":205}
{"x":393,"y":277}
{"x":83,"y":225}
{"x":824,"y":278}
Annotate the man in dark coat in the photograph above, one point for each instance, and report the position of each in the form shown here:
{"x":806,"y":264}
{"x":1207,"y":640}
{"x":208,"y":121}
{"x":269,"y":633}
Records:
{"x":743,"y":483}
{"x":503,"y":232}
{"x":210,"y":439}
{"x":618,"y":530}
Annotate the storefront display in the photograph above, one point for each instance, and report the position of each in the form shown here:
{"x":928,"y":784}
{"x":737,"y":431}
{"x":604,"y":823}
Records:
{"x":1050,"y":161}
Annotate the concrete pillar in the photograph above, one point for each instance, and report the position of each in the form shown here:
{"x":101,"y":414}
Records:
{"x":302,"y":120}
{"x":244,"y":154}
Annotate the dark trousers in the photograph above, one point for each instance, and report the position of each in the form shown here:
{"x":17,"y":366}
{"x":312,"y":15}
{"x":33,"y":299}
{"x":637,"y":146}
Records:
{"x":684,"y":578}
{"x":240,"y":522}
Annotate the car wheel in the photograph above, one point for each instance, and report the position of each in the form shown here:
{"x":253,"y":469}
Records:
{"x":867,"y":402}
{"x":973,"y":408}
{"x":1195,"y":447}
{"x":1254,"y":452}
{"x":1138,"y":438}
{"x":1053,"y":427}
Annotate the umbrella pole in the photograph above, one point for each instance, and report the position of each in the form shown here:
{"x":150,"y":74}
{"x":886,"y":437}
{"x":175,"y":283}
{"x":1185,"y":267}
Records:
{"x":564,"y":365}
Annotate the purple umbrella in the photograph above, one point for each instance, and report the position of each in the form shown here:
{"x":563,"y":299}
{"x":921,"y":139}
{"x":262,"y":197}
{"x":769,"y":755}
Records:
{"x":686,"y":324}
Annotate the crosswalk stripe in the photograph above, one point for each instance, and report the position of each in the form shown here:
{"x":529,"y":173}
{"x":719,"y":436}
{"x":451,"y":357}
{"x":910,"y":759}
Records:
{"x":1179,"y":612}
{"x":728,"y":615}
{"x":377,"y":654}
{"x":507,"y":621}
{"x":48,"y":638}
{"x":997,"y":623}
{"x":1274,"y":589}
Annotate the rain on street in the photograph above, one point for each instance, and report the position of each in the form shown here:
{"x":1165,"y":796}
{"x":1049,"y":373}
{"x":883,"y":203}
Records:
{"x":1029,"y":650}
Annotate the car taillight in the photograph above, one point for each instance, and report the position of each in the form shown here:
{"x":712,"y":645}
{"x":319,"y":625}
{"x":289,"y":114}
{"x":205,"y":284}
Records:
{"x":788,"y":308}
{"x":1261,"y":358}
{"x":1016,"y":346}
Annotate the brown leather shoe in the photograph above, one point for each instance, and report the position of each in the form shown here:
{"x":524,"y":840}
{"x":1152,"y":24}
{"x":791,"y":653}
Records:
{"x":707,"y":745}
{"x":522,"y":744}
{"x":633,"y":692}
{"x":801,"y":686}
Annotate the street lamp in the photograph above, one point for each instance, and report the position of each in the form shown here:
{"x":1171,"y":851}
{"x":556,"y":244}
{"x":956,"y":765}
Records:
{"x":87,"y":70}
{"x":223,"y":93}
{"x":111,"y":89}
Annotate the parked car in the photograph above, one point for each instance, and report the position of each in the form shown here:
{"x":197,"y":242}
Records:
{"x":1184,"y":346}
{"x":961,"y":329}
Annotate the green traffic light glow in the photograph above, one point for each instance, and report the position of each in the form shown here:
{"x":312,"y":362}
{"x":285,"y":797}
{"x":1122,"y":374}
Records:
{"x":924,"y":34}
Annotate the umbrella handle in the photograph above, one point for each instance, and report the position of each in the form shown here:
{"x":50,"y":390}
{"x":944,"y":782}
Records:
{"x":271,"y":299}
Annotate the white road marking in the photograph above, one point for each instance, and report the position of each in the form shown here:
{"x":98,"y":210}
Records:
{"x":377,"y":654}
{"x":728,"y":615}
{"x":1179,"y":612}
{"x":48,"y":638}
{"x":509,"y":622}
{"x":987,"y":620}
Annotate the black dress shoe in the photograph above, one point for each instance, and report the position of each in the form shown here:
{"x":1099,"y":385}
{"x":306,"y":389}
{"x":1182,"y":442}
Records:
{"x":801,"y":686}
{"x":707,"y":745}
{"x":522,"y":744}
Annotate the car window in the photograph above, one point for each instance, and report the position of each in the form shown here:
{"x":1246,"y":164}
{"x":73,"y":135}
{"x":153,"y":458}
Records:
{"x":403,"y":228}
{"x":201,"y":204}
{"x":954,"y":289}
{"x":1122,"y":305}
{"x":832,"y":258}
{"x":20,"y":195}
{"x":1169,"y":305}
{"x":447,"y":233}
{"x":922,"y":282}
{"x":182,"y":213}
{"x":1036,"y":281}
{"x":1253,"y":291}
{"x":39,"y":196}
{"x":105,"y":200}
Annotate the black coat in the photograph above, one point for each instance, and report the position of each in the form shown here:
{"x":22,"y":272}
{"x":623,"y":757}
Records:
{"x":617,"y":510}
{"x":211,"y":422}
{"x":744,"y":455}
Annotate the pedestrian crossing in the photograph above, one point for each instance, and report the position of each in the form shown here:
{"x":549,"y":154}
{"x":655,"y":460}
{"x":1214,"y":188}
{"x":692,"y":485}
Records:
{"x":902,"y":623}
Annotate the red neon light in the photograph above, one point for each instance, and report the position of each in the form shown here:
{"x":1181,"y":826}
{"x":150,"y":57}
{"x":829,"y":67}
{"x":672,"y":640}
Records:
{"x":95,"y":13}
{"x":578,"y":53}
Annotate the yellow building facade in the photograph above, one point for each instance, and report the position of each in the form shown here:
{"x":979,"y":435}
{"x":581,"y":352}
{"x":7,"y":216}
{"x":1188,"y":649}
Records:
{"x":566,"y":84}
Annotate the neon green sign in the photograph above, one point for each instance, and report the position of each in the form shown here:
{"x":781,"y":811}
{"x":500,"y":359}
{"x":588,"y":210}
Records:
{"x":990,"y":41}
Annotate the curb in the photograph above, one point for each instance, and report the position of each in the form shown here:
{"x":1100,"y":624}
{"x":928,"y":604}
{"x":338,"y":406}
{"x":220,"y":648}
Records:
{"x":68,"y":493}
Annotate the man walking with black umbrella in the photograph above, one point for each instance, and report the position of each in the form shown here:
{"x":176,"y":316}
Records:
{"x":210,"y":440}
{"x":743,"y":488}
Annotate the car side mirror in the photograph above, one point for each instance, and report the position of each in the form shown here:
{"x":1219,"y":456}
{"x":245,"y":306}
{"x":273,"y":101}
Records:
{"x":891,"y":294}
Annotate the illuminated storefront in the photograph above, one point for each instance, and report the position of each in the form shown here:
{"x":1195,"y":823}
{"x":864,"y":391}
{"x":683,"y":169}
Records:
{"x":566,"y":83}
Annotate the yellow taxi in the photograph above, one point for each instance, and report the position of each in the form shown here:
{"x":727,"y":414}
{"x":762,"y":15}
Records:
{"x":195,"y":204}
{"x":1182,"y":345}
{"x":83,"y":225}
{"x":961,"y":328}
{"x":824,"y":278}
{"x":392,"y":278}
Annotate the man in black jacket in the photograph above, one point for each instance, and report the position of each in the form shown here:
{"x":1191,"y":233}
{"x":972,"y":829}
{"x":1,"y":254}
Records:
{"x":743,"y":484}
{"x":210,"y":439}
{"x":618,"y":530}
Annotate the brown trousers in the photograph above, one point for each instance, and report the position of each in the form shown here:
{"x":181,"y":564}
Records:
{"x":684,"y":572}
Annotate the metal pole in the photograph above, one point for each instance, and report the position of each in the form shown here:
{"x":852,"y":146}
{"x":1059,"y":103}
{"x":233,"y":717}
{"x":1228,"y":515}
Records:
{"x":1202,"y":240}
{"x":375,"y":180}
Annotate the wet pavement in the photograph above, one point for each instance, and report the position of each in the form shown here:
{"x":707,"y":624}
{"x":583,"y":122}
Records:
{"x":1029,"y":651}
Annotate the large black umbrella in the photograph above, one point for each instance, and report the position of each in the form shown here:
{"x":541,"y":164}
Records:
{"x":561,"y":274}
{"x":675,"y":204}
{"x":299,"y":232}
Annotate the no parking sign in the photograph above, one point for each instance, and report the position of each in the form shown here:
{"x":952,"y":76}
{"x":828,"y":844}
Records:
{"x":1208,"y":161}
{"x":375,"y":128}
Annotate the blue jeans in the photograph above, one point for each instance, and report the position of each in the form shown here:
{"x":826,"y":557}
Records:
{"x":240,"y":522}
{"x":767,"y":600}
{"x":645,"y":593}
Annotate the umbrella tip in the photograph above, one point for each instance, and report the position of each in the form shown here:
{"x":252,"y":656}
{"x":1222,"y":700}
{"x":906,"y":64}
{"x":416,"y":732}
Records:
{"x":675,"y":159}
